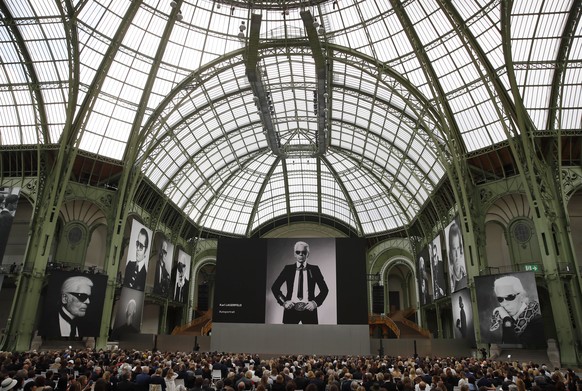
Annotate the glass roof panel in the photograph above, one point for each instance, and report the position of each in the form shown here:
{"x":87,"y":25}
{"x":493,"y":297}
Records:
{"x":571,"y":93}
{"x":536,"y":30}
{"x":45,"y":44}
{"x":205,"y":146}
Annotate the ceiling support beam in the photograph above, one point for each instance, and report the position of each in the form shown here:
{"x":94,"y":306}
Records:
{"x":261,"y":96}
{"x":321,"y":93}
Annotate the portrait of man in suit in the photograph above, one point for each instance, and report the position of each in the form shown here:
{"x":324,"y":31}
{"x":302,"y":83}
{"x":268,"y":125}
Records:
{"x":423,"y":278}
{"x":181,"y":289}
{"x":75,"y":300}
{"x":437,"y":269}
{"x":73,"y":305}
{"x":136,"y":271}
{"x":305,"y":288}
{"x":462,"y":309}
{"x":455,"y":252}
{"x":162,"y":277}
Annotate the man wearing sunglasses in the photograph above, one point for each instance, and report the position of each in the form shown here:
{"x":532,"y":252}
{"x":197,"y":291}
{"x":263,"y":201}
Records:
{"x":75,"y":299}
{"x":182,"y":289}
{"x":518,"y":318}
{"x":301,"y":279}
{"x":136,"y":271}
{"x":162,"y":279}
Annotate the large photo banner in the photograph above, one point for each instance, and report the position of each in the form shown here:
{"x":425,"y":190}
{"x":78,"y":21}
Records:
{"x":463,"y":316}
{"x":128,"y":314}
{"x":182,"y":277}
{"x":437,"y":268}
{"x":301,"y":283}
{"x":73,"y":305}
{"x":423,"y":277}
{"x":130,"y":304}
{"x":163,"y":267}
{"x":138,"y":254}
{"x":456,"y":256}
{"x":8,"y":203}
{"x":509,"y":309}
{"x":290,"y":281}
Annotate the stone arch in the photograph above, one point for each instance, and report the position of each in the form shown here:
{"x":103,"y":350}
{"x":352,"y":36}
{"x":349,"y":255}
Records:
{"x":201,"y":264}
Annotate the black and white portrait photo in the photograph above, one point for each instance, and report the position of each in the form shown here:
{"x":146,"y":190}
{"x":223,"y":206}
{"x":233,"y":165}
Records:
{"x":128,"y":313}
{"x":8,"y":203}
{"x":181,"y":288}
{"x":301,"y":281}
{"x":463,"y":315}
{"x":423,"y":276}
{"x":138,"y":253}
{"x":456,"y":256}
{"x":73,"y":305}
{"x":437,"y":268}
{"x":163,"y":267}
{"x":509,"y":309}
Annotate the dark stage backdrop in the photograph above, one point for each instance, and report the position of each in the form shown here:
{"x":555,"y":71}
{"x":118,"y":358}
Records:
{"x":246,"y":269}
{"x":92,"y":307}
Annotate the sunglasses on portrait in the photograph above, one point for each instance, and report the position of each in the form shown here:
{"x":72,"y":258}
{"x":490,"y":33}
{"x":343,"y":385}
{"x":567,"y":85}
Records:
{"x":507,"y":298}
{"x":139,"y":245}
{"x":82,"y":297}
{"x":301,"y":252}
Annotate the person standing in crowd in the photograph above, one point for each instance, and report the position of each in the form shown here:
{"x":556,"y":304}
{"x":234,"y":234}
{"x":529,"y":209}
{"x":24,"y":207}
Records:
{"x":136,"y":271}
{"x":157,"y":378}
{"x":301,"y":280}
{"x":517,"y":318}
{"x":170,"y":380}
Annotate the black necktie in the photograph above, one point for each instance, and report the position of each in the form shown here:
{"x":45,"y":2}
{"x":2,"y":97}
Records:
{"x":300,"y":288}
{"x":71,"y":322}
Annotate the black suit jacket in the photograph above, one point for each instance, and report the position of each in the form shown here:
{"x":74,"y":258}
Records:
{"x":51,"y":327}
{"x":314,"y":278}
{"x":140,"y":280}
{"x":185,"y":291}
{"x":162,"y":287}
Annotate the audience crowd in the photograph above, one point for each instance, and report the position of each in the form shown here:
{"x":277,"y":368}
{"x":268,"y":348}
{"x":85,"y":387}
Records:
{"x":121,"y":370}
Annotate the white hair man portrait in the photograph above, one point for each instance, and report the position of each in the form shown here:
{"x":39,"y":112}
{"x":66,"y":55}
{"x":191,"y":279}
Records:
{"x":75,"y":304}
{"x":517,"y":319}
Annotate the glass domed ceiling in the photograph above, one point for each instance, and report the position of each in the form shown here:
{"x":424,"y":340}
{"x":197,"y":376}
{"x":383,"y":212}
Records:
{"x":246,"y":112}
